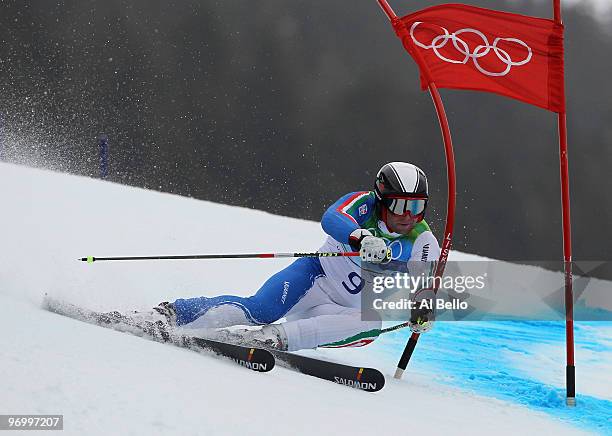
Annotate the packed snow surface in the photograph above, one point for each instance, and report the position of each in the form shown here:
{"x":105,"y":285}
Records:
{"x":476,"y":378}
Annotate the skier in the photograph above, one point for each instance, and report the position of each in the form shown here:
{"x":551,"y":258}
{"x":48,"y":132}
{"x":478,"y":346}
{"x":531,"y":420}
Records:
{"x":319,"y":297}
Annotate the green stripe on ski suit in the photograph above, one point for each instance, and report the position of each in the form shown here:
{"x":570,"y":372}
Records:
{"x":418,"y":228}
{"x":370,"y":334}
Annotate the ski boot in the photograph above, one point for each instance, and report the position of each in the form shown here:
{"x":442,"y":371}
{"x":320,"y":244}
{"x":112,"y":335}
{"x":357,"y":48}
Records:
{"x":271,"y":337}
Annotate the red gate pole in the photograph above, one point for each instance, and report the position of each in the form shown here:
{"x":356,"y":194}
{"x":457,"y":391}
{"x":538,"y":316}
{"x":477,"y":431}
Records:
{"x":403,"y":34}
{"x":570,"y":369}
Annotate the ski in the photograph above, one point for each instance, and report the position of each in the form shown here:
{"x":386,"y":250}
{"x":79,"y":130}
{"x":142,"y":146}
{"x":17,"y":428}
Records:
{"x":366,"y":379}
{"x":256,"y":359}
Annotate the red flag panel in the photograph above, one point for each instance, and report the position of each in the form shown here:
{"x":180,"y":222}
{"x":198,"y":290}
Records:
{"x":465,"y":47}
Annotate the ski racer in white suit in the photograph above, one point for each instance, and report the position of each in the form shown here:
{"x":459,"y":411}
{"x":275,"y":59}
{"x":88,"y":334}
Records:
{"x":319,"y":298}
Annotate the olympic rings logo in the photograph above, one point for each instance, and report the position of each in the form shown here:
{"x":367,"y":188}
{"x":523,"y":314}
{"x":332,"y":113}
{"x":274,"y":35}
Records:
{"x":481,"y":50}
{"x":394,"y":253}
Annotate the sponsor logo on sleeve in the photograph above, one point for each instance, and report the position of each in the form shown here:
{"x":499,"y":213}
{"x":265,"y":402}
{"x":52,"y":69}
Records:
{"x":425,"y":253}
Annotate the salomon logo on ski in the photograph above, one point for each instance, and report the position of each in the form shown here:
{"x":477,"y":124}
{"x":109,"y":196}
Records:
{"x":255,"y":366}
{"x":355,"y":384}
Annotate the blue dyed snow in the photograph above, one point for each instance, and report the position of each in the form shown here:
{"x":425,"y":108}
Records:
{"x":471,"y":355}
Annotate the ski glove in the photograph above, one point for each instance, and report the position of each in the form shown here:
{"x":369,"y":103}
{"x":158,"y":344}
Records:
{"x":423,"y":314}
{"x":420,"y":325}
{"x":371,"y":248}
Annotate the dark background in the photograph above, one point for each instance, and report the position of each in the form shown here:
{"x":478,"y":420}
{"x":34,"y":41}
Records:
{"x":285,"y":106}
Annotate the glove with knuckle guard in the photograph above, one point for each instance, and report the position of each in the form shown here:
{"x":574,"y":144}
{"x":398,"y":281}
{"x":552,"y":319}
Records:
{"x":422,"y":316}
{"x":420,"y":324}
{"x":371,"y":248}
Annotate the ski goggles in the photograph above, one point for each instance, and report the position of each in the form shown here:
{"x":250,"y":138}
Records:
{"x":404,"y":205}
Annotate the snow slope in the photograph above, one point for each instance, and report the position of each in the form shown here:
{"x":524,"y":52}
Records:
{"x":105,"y":382}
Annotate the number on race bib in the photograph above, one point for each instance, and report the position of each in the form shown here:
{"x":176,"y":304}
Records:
{"x":357,"y":282}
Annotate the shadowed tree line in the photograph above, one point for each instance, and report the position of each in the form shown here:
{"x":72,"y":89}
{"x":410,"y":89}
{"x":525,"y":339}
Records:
{"x":285,"y":106}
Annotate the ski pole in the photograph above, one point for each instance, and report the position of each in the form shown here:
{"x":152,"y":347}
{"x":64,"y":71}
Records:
{"x":91,"y":259}
{"x":395,"y":327}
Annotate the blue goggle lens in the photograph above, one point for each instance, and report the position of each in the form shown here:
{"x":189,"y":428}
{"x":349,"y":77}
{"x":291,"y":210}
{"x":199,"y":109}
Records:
{"x":401,"y":206}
